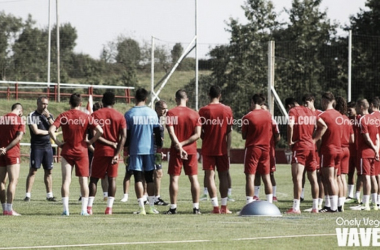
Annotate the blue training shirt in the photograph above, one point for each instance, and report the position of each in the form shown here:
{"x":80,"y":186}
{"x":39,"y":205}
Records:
{"x":140,"y":121}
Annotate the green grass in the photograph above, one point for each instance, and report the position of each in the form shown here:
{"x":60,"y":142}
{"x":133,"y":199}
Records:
{"x":41,"y":224}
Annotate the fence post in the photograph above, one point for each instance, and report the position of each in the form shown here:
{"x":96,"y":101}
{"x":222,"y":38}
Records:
{"x":16,"y":91}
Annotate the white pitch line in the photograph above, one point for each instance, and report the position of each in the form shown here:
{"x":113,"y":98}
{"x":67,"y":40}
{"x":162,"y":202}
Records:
{"x":109,"y":244}
{"x":164,"y":242}
{"x":285,"y":236}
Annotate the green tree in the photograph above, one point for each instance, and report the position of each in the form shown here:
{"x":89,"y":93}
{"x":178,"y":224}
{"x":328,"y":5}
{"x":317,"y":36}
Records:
{"x":128,"y":52}
{"x":10,"y":27}
{"x":365,"y":28}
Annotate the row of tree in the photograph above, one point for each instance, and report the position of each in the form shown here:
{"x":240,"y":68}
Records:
{"x":310,"y":56}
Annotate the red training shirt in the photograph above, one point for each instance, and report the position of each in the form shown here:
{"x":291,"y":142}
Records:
{"x":10,"y":124}
{"x":257,"y":125}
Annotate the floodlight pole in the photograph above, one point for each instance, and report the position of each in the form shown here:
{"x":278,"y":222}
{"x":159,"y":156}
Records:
{"x":58,"y":59}
{"x":49,"y":47}
{"x":196,"y":54}
{"x":152,"y":73}
{"x":349,"y":65}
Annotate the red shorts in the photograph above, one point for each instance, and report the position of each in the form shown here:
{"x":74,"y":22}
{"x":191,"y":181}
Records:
{"x":102,"y":166}
{"x":344,"y":161}
{"x":8,"y":160}
{"x":367,"y":166}
{"x":330,"y":157}
{"x":256,"y":160}
{"x":306,"y":158}
{"x":190,"y":165}
{"x":80,"y":163}
{"x":220,"y":162}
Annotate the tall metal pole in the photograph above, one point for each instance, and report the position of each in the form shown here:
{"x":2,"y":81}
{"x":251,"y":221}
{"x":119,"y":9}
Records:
{"x":196,"y":55}
{"x":49,"y":46}
{"x":152,"y":73}
{"x":349,"y":65}
{"x":270,"y":76}
{"x":58,"y":58}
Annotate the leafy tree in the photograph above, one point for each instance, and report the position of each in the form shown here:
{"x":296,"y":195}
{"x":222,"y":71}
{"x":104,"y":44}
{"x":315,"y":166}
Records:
{"x":365,"y":28}
{"x":10,"y":27}
{"x":128,"y":52}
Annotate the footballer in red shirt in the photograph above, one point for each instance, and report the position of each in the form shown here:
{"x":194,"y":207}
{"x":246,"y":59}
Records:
{"x":257,"y":131}
{"x":300,"y":139}
{"x":368,"y":142}
{"x":374,"y":107}
{"x":74,"y":153}
{"x":106,"y":155}
{"x":330,"y":131}
{"x":12,"y":129}
{"x":184,"y":129}
{"x":216,"y":120}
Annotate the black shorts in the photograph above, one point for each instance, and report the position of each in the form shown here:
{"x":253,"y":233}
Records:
{"x":42,"y":156}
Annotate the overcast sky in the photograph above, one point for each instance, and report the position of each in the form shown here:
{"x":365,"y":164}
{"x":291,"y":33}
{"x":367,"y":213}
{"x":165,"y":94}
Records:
{"x":101,"y":21}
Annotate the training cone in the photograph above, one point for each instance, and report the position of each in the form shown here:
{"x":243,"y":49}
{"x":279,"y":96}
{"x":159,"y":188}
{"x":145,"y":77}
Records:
{"x":260,"y":208}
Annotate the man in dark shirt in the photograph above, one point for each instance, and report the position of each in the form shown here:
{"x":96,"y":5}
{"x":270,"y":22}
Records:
{"x":41,"y":151}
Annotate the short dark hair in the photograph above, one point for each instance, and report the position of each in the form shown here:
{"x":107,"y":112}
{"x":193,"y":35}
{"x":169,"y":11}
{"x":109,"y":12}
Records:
{"x":258,"y":99}
{"x":16,"y":106}
{"x":39,"y":99}
{"x":108,"y":98}
{"x":308,"y":98}
{"x":328,"y":96}
{"x":351,"y":104}
{"x":214,"y":92}
{"x":341,"y":105}
{"x":141,"y":94}
{"x":97,"y":106}
{"x":159,"y":103}
{"x":180,"y":94}
{"x":362,"y":102}
{"x":290,"y":101}
{"x":375,"y":102}
{"x":75,"y":100}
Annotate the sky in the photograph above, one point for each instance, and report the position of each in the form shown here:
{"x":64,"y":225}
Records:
{"x":99,"y":22}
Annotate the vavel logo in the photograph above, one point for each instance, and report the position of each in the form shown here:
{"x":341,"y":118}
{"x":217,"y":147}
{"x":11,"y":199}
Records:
{"x":364,"y":232}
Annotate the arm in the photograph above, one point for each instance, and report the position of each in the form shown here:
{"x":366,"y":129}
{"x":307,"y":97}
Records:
{"x":98,"y":132}
{"x":38,"y":131}
{"x":369,"y":142}
{"x":122,"y":138}
{"x":52,"y":134}
{"x":321,"y":129}
{"x":352,"y":138}
{"x":229,"y":140}
{"x":13,"y":143}
{"x":290,"y":130}
{"x":107,"y":142}
{"x":175,"y":141}
{"x":193,"y":138}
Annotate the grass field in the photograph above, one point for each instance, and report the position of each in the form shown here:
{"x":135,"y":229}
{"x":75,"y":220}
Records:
{"x":42,"y":226}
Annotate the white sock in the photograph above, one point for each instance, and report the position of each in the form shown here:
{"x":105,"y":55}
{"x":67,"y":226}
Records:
{"x":28,"y":195}
{"x":296,"y":204}
{"x":141,"y":202}
{"x":257,"y":191}
{"x":378,"y":199}
{"x":65,"y":202}
{"x":91,"y":201}
{"x":145,"y":197}
{"x":374,"y":198}
{"x":224,"y":201}
{"x":249,"y":199}
{"x":366,"y":200}
{"x":274,"y":191}
{"x":84,"y":203}
{"x":229,"y":191}
{"x":110,"y":201}
{"x":327,"y":201}
{"x":125,"y":196}
{"x":303,"y":193}
{"x":9,"y":206}
{"x":269,"y":198}
{"x":49,"y":195}
{"x":214,"y":202}
{"x":151,"y":200}
{"x":334,"y":202}
{"x":357,"y":195}
{"x":105,"y":194}
{"x":315,"y":203}
{"x":320,"y":201}
{"x":350,"y":190}
{"x":173,"y":206}
{"x":341,"y":201}
{"x":205,"y":191}
{"x":196,"y":205}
